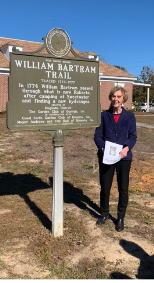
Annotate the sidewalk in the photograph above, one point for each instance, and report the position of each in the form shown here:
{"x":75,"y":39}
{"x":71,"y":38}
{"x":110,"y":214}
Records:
{"x":145,"y":125}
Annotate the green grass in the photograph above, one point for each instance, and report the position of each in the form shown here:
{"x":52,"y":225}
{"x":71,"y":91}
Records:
{"x":134,"y":202}
{"x":146,"y":219}
{"x":66,"y":173}
{"x":2,"y":156}
{"x":87,"y":167}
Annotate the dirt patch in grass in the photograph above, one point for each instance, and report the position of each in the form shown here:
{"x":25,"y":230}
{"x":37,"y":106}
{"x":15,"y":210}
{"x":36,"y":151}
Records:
{"x":28,"y":249}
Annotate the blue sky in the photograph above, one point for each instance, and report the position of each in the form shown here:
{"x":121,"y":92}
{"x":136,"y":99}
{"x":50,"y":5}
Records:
{"x":120,"y":31}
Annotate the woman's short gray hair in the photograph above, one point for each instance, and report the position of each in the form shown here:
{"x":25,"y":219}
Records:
{"x":123,"y":91}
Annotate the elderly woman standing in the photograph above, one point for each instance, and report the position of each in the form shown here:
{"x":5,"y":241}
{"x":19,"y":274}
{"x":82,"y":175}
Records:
{"x":118,"y":126}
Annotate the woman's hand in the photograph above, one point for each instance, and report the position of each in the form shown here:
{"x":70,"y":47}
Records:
{"x":123,"y":152}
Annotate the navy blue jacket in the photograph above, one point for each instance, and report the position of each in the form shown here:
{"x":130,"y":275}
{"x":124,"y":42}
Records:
{"x":123,"y":132}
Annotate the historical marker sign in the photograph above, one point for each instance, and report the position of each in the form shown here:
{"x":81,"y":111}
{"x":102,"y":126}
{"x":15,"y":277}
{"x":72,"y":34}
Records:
{"x":47,"y":93}
{"x":53,"y":93}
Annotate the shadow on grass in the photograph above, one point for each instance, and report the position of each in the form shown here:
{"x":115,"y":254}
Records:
{"x":22,"y":184}
{"x":146,"y":267}
{"x":75,"y":195}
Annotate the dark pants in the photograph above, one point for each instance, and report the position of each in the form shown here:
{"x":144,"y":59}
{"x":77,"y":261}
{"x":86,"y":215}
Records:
{"x":106,"y":177}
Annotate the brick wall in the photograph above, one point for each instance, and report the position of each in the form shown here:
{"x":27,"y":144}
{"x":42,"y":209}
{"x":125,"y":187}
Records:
{"x":105,"y":88}
{"x":3,"y":91}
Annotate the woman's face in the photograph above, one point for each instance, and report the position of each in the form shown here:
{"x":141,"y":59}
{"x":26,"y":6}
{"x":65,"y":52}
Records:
{"x":117,"y":99}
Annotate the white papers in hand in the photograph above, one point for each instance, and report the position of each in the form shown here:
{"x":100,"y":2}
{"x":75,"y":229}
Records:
{"x":111,"y":152}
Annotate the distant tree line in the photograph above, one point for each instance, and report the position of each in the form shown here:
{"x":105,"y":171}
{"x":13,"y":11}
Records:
{"x":140,"y":92}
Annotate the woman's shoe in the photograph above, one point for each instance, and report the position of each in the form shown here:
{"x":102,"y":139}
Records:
{"x":120,"y":224}
{"x":102,"y":220}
